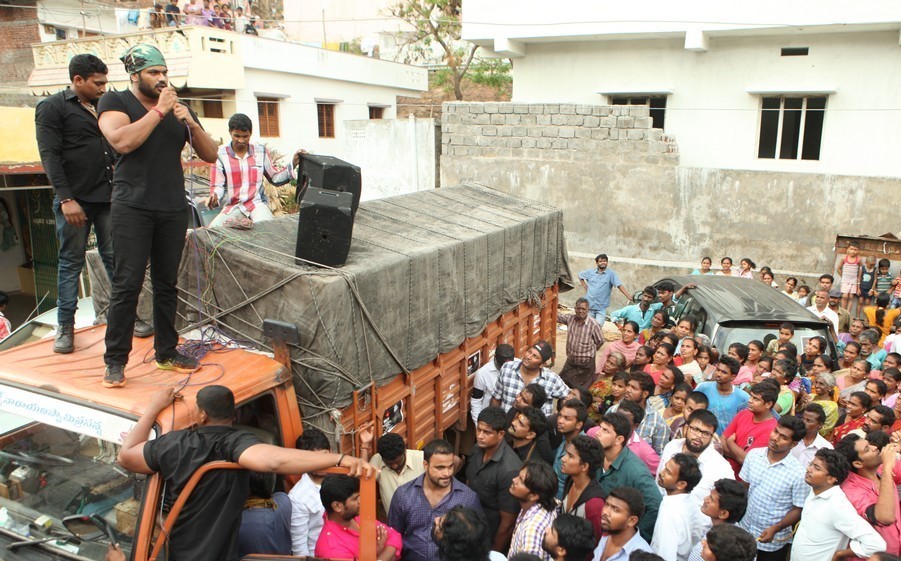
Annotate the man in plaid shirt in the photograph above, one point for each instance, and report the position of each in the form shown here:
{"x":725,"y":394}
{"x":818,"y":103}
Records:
{"x":535,"y":488}
{"x":583,"y":340}
{"x":236,"y":179}
{"x":517,"y":374}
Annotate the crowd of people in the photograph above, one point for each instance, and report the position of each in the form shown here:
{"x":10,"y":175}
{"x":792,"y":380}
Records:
{"x":645,"y":463}
{"x":204,"y":14}
{"x":653,"y":446}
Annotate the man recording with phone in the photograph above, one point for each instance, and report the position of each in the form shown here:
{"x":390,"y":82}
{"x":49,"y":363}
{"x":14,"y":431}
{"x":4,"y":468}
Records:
{"x":148,"y":127}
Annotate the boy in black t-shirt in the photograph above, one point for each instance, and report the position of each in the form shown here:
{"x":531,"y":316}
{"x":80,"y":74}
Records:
{"x":148,"y":127}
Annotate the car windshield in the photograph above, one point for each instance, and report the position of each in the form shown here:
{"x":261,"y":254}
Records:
{"x":57,"y":459}
{"x":728,"y":334}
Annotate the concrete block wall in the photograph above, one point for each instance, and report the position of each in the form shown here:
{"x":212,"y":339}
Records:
{"x":557,"y":131}
{"x":623,"y":192}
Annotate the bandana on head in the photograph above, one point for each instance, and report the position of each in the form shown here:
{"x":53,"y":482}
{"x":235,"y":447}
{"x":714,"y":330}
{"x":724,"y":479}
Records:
{"x":142,"y":56}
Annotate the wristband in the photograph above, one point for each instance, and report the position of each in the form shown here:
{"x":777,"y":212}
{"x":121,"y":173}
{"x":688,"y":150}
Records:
{"x":158,"y":112}
{"x":341,"y":459}
{"x":65,"y":201}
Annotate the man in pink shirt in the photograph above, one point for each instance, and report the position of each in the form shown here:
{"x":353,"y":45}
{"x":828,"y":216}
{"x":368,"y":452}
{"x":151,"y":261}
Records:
{"x":636,"y":444}
{"x":340,"y":535}
{"x":874,"y":495}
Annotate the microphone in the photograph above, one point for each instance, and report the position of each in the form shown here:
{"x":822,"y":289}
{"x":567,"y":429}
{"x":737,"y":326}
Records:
{"x":184,"y":121}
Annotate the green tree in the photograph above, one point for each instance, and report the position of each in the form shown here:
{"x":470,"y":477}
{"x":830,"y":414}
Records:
{"x":438,"y":22}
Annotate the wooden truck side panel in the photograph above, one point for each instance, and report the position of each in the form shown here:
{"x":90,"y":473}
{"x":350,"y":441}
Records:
{"x":435,"y":397}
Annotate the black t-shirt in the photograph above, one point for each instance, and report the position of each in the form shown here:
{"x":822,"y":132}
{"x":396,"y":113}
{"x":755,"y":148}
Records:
{"x":150,"y":177}
{"x":491,"y":481}
{"x":172,"y":12}
{"x":207,"y":527}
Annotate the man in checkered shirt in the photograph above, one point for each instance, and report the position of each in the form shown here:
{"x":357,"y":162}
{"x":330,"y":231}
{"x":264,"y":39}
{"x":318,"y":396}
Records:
{"x":517,"y":374}
{"x":236,"y":179}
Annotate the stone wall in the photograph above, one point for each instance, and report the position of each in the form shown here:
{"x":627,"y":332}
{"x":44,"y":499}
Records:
{"x":623,"y":192}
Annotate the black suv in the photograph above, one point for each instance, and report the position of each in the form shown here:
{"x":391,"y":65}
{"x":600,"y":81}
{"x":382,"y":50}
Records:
{"x":732,"y":309}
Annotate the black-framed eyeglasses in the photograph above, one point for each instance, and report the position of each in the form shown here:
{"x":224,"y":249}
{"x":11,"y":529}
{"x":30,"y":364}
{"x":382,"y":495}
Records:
{"x":702,"y":432}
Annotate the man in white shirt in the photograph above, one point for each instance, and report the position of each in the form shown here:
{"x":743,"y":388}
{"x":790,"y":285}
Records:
{"x":306,"y":506}
{"x":699,"y":431}
{"x":822,"y":310}
{"x":678,"y":525}
{"x":485,"y":379}
{"x":814,"y":418}
{"x":830,"y":527}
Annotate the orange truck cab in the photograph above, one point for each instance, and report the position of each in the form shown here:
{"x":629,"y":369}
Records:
{"x":60,"y":432}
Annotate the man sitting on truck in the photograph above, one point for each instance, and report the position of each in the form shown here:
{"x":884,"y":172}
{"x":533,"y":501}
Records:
{"x":517,"y":374}
{"x":207,"y":527}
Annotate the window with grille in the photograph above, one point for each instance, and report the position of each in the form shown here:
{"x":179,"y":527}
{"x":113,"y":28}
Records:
{"x":376,"y":112}
{"x":268,"y":110}
{"x":326,"y":112}
{"x":657,"y":106}
{"x":791,"y":128}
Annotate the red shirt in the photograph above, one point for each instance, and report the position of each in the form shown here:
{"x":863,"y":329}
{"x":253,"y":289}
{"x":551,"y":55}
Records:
{"x":748,"y":433}
{"x":863,"y":494}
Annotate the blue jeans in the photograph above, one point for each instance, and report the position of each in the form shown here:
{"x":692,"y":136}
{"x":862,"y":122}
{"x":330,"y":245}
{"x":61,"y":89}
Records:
{"x":599,"y":315}
{"x":73,"y":242}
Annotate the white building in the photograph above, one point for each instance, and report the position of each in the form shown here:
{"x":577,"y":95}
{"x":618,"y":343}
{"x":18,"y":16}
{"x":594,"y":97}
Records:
{"x":803,"y":86}
{"x":296,"y":95}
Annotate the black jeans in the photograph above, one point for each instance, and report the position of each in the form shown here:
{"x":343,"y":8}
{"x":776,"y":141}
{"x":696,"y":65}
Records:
{"x":139,"y":235}
{"x":780,"y":554}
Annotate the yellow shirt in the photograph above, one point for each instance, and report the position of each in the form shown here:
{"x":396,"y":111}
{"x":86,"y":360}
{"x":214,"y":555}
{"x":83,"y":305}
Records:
{"x":389,"y":480}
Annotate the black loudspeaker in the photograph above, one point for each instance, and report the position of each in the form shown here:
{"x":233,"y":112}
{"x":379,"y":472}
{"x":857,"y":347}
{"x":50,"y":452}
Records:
{"x":325,"y":226}
{"x":332,"y":174}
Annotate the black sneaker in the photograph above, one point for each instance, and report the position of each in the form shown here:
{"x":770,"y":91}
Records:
{"x":114,"y":376}
{"x":178,"y":362}
{"x":65,"y":339}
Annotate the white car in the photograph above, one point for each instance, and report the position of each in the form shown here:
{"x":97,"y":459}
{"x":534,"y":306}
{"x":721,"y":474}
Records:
{"x":45,"y":325}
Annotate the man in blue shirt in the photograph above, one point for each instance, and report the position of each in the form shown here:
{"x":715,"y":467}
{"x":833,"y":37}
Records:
{"x":726,"y":400}
{"x":640,"y":313}
{"x":598,"y":284}
{"x":416,"y":504}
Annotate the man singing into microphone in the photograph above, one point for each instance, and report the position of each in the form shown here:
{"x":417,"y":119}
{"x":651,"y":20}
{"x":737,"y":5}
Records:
{"x":148,"y":127}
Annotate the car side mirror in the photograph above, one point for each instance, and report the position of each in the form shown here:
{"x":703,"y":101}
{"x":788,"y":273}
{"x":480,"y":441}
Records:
{"x":636,"y":298}
{"x":89,"y":527}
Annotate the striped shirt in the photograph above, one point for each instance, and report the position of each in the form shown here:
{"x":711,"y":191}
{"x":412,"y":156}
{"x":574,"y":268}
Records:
{"x":239,"y":181}
{"x":583,"y":338}
{"x":510,"y":383}
{"x":528,"y":534}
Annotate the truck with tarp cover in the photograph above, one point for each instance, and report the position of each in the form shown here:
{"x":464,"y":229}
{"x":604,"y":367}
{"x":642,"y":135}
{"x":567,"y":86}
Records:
{"x":434,"y":281}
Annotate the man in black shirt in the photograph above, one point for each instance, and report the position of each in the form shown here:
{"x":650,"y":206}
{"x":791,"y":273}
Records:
{"x":78,"y":163}
{"x":490,"y":471}
{"x":173,"y":13}
{"x":148,"y":127}
{"x":207,"y":527}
